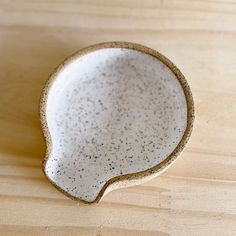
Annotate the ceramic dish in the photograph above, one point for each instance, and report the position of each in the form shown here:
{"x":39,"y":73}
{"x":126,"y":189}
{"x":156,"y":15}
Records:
{"x":113,"y":115}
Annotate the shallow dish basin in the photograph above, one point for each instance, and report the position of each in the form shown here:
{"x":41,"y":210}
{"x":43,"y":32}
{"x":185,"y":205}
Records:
{"x":113,"y":115}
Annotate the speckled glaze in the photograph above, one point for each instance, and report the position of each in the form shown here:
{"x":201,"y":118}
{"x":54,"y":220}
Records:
{"x":114,"y":114}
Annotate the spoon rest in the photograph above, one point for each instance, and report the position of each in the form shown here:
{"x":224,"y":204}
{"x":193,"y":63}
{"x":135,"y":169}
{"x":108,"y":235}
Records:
{"x":113,"y":115}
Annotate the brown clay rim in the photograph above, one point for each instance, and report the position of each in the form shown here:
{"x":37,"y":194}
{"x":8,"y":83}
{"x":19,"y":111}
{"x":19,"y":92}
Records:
{"x":134,"y":176}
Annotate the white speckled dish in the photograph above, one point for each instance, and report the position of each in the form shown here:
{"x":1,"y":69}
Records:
{"x":113,"y":115}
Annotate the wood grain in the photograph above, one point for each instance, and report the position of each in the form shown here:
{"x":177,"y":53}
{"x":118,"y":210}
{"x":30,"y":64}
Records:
{"x":197,"y":196}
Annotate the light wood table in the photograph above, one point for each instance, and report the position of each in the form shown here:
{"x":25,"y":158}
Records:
{"x":197,"y":195}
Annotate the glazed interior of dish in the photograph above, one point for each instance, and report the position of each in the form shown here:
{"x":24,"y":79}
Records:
{"x":111,"y":112}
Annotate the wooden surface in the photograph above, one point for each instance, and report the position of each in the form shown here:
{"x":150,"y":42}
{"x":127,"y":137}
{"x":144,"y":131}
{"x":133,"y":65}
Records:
{"x":197,"y":195}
